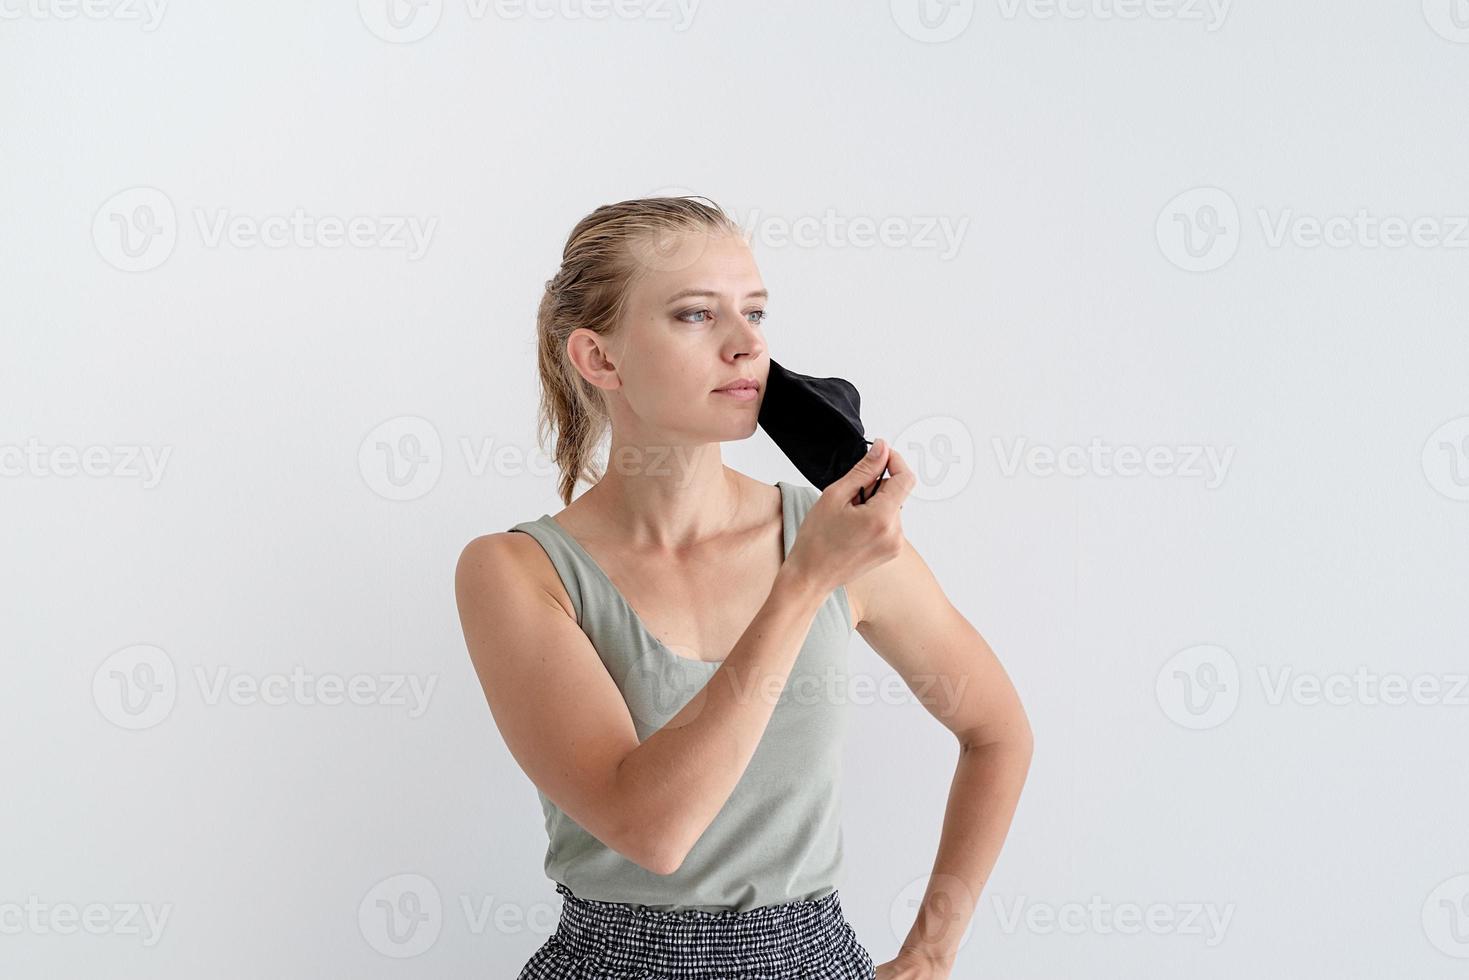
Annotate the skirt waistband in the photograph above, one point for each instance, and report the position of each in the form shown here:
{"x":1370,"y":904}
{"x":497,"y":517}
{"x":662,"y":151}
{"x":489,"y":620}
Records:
{"x":771,"y":937}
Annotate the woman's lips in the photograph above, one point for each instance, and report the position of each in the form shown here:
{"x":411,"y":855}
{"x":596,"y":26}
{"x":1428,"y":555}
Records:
{"x":740,"y":394}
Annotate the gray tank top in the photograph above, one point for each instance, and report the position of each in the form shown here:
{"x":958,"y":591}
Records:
{"x":779,"y":836}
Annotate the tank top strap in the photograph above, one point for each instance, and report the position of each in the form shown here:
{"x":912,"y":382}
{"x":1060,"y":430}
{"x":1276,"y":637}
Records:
{"x":577,"y":576}
{"x":778,"y":836}
{"x":587,"y":585}
{"x":798,"y":499}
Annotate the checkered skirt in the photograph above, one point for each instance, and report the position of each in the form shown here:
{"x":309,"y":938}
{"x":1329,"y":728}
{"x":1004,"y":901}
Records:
{"x":802,"y":940}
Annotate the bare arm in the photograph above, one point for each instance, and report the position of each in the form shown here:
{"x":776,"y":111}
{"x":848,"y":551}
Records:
{"x":910,"y":623}
{"x":566,"y":724}
{"x":682,"y":775}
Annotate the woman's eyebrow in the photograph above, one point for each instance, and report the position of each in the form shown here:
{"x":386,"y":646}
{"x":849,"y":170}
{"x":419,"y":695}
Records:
{"x":686,"y":293}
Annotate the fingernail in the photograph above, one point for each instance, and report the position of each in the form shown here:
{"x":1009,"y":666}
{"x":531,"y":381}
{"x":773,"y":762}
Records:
{"x":875,"y":448}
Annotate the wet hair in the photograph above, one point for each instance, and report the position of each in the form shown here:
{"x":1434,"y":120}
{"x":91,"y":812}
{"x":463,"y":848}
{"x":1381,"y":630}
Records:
{"x":605,"y":254}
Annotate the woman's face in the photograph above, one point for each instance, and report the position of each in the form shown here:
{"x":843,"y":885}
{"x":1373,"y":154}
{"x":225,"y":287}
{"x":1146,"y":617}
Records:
{"x":691,"y":325}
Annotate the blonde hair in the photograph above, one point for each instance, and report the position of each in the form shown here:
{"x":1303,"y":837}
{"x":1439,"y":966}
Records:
{"x":599,"y":264}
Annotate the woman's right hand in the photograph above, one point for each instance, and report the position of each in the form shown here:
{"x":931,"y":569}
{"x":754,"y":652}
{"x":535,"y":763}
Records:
{"x":839,"y":539}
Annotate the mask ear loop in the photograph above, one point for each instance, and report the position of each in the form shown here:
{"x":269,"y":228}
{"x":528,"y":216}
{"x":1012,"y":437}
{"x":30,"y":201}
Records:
{"x":862,"y":495}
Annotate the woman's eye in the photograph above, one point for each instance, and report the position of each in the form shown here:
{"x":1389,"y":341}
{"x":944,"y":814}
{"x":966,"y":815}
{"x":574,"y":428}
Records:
{"x":707,"y":315}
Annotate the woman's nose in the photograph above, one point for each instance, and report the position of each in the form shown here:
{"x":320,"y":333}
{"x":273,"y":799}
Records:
{"x":749,"y":340}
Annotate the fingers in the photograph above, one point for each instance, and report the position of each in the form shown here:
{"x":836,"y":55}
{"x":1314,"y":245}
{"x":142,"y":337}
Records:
{"x":864,"y":473}
{"x":900,"y":472}
{"x":898,"y":484}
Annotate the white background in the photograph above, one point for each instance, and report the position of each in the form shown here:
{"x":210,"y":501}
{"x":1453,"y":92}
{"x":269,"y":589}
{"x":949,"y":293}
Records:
{"x":304,"y":517}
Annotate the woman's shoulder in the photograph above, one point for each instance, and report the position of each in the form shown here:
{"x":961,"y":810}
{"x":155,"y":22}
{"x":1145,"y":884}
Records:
{"x":508,"y":560}
{"x":800,"y":497}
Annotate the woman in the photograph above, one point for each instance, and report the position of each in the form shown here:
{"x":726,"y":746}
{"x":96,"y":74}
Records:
{"x":653,"y":653}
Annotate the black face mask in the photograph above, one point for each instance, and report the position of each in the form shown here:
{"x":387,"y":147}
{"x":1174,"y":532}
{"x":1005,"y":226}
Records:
{"x":817,"y":423}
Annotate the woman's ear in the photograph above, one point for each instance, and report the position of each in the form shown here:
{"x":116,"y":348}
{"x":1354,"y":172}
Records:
{"x":590,"y":354}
